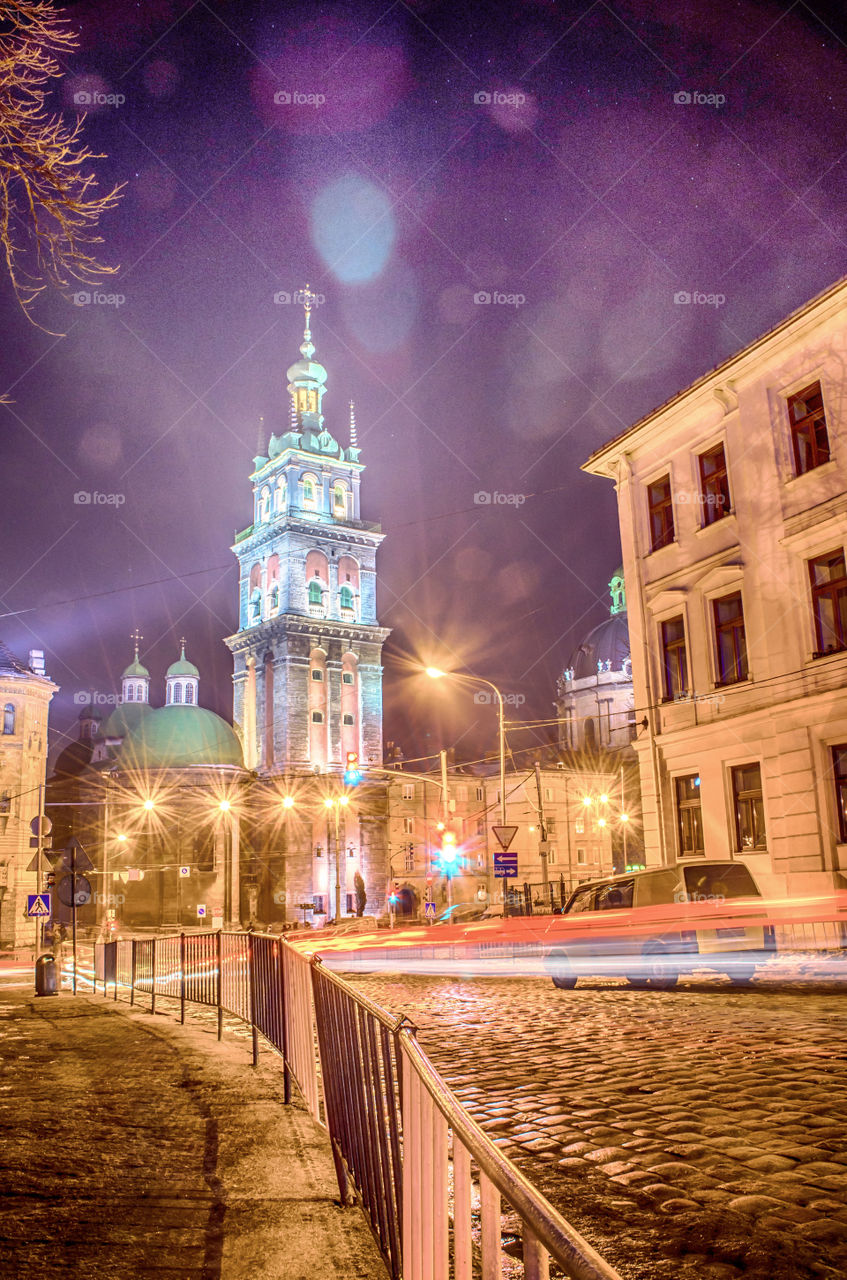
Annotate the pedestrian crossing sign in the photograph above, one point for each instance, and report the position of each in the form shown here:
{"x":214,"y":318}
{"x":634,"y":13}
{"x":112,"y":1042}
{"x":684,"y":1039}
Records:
{"x":38,"y":905}
{"x":429,"y":910}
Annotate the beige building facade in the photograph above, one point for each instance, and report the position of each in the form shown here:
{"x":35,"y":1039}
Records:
{"x":25,"y":694}
{"x":732,"y":502}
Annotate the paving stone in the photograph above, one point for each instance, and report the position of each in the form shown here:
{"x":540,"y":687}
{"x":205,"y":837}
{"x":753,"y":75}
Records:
{"x":604,"y":1154}
{"x":678,"y":1206}
{"x":771,"y":1164}
{"x":755,"y":1205}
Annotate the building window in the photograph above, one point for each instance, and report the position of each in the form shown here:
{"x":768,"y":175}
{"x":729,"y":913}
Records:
{"x":808,"y":429}
{"x":347,"y":718}
{"x":660,"y":509}
{"x":350,"y":907}
{"x":839,"y":769}
{"x":130,"y":693}
{"x":408,"y":826}
{"x":318,"y":901}
{"x":317,"y":674}
{"x":581,"y":858}
{"x":317,"y":717}
{"x":408,"y":790}
{"x":274,"y":605}
{"x":551,"y":826}
{"x":749,"y":808}
{"x":189,"y":694}
{"x":730,"y":639}
{"x":347,"y":677}
{"x":5,"y":804}
{"x":315,"y":593}
{"x":674,"y":658}
{"x":345,"y":599}
{"x":551,"y":855}
{"x":689,"y":817}
{"x":9,"y":718}
{"x":480,"y":793}
{"x":139,"y":693}
{"x":714,"y":485}
{"x":177,"y":694}
{"x":339,"y":499}
{"x":309,"y":499}
{"x":829,"y":601}
{"x":409,"y":859}
{"x":579,"y":824}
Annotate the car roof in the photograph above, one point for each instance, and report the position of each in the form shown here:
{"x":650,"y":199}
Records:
{"x":668,"y":866}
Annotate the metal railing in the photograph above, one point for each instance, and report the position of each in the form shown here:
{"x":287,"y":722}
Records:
{"x":394,"y":1124}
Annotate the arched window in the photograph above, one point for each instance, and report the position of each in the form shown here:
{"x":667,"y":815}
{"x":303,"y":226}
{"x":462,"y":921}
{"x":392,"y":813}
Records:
{"x":130,"y":693}
{"x":309,"y":495}
{"x":274,"y":599}
{"x":189,"y":694}
{"x":265,"y":504}
{"x":339,"y":499}
{"x":281,"y":494}
{"x":345,"y":599}
{"x":9,"y":718}
{"x":177,"y":693}
{"x":256,"y":605}
{"x":139,"y":693}
{"x":315,"y":593}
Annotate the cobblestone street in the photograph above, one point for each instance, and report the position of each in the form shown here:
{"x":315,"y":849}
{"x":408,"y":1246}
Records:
{"x":698,"y":1132}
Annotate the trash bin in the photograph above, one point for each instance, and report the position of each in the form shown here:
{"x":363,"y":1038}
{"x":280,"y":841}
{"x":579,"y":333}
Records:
{"x":46,"y":976}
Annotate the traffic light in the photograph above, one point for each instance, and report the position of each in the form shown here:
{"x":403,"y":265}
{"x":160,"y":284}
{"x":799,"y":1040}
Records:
{"x":352,"y":774}
{"x":49,"y":881}
{"x":393,"y":891}
{"x":449,"y":853}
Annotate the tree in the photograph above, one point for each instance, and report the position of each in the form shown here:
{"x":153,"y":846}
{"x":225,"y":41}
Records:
{"x":361,"y":894}
{"x":49,"y":206}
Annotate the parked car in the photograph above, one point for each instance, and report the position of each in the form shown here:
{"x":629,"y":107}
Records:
{"x":650,"y":926}
{"x":462,"y":913}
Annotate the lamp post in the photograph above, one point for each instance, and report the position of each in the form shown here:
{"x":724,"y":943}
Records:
{"x":334,"y":806}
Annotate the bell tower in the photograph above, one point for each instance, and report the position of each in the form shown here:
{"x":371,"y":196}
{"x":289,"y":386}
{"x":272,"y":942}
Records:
{"x":308,"y":650}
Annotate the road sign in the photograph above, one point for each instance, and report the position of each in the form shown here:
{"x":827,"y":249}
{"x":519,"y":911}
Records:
{"x":429,"y":910}
{"x":201,"y":910}
{"x":41,"y":826}
{"x":134,"y":873}
{"x":38,"y":905}
{"x":82,"y":891}
{"x":185,"y":871}
{"x":505,"y":865}
{"x":504,"y":836}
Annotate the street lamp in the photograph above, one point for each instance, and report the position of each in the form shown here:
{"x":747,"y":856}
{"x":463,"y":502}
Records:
{"x":435,"y":674}
{"x":334,"y":806}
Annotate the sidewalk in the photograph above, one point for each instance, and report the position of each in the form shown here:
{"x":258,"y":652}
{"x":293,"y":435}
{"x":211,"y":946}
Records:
{"x":132,"y":1146}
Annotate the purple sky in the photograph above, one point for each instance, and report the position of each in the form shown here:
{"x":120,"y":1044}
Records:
{"x":588,"y":193}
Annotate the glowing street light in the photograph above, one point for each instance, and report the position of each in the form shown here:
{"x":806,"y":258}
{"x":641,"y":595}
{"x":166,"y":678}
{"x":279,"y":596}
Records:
{"x":225,"y":806}
{"x":435,"y":673}
{"x":288,"y":802}
{"x":149,"y":804}
{"x":122,"y":838}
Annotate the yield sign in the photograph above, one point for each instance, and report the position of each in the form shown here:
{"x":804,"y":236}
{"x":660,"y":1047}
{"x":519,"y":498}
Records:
{"x":504,"y":836}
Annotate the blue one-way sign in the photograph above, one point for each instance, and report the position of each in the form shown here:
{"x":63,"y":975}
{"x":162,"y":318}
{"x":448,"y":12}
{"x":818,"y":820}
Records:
{"x":38,"y":904}
{"x":505,"y":865}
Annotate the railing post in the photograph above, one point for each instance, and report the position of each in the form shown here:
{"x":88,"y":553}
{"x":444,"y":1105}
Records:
{"x":132,"y":974}
{"x":219,"y":992}
{"x":283,"y":1005}
{"x":153,"y":980}
{"x":251,"y":997}
{"x":182,"y":978}
{"x":536,"y":1260}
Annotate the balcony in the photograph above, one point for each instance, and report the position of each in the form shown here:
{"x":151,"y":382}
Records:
{"x":317,"y":610}
{"x":346,"y":614}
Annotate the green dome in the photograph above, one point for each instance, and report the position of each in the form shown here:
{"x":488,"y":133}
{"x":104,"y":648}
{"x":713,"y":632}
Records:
{"x":181,"y":737}
{"x":125,"y":719}
{"x":182,"y":667}
{"x":135,"y":671}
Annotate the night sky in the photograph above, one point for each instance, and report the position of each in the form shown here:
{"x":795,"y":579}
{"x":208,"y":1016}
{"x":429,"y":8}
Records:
{"x":578,"y":194}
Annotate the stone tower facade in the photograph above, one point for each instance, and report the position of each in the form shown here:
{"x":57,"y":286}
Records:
{"x":308,"y":651}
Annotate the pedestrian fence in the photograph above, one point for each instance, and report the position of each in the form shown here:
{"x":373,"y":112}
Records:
{"x":434,"y":1187}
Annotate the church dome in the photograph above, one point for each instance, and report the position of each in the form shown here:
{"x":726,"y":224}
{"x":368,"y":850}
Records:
{"x":136,"y":671}
{"x":125,"y":718}
{"x":607,"y":643}
{"x":75,"y":757}
{"x":181,"y":737}
{"x":182,"y":667}
{"x":307,"y":371}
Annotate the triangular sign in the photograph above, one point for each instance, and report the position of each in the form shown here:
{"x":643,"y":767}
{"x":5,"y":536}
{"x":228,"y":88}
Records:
{"x":504,"y":836}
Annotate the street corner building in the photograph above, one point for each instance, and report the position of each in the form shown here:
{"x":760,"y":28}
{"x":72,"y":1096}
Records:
{"x":25,"y":694}
{"x":732,"y":502}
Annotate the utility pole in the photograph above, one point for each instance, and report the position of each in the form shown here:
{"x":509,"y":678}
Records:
{"x":543,"y":845}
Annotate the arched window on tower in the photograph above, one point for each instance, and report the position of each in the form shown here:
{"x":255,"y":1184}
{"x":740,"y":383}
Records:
{"x":274,"y":599}
{"x":265,"y":505}
{"x":177,"y":692}
{"x":189,"y":693}
{"x":139,"y":693}
{"x":316,"y":606}
{"x":310,"y":494}
{"x":339,"y":499}
{"x":347,"y":602}
{"x":9,"y":718}
{"x":281,"y":494}
{"x":130,"y":693}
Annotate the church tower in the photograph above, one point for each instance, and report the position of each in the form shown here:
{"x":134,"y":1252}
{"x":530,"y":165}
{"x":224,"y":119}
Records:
{"x":308,"y":651}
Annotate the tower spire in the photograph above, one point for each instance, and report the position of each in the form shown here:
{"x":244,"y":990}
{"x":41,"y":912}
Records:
{"x":307,"y":347}
{"x":137,"y":637}
{"x":354,"y":442}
